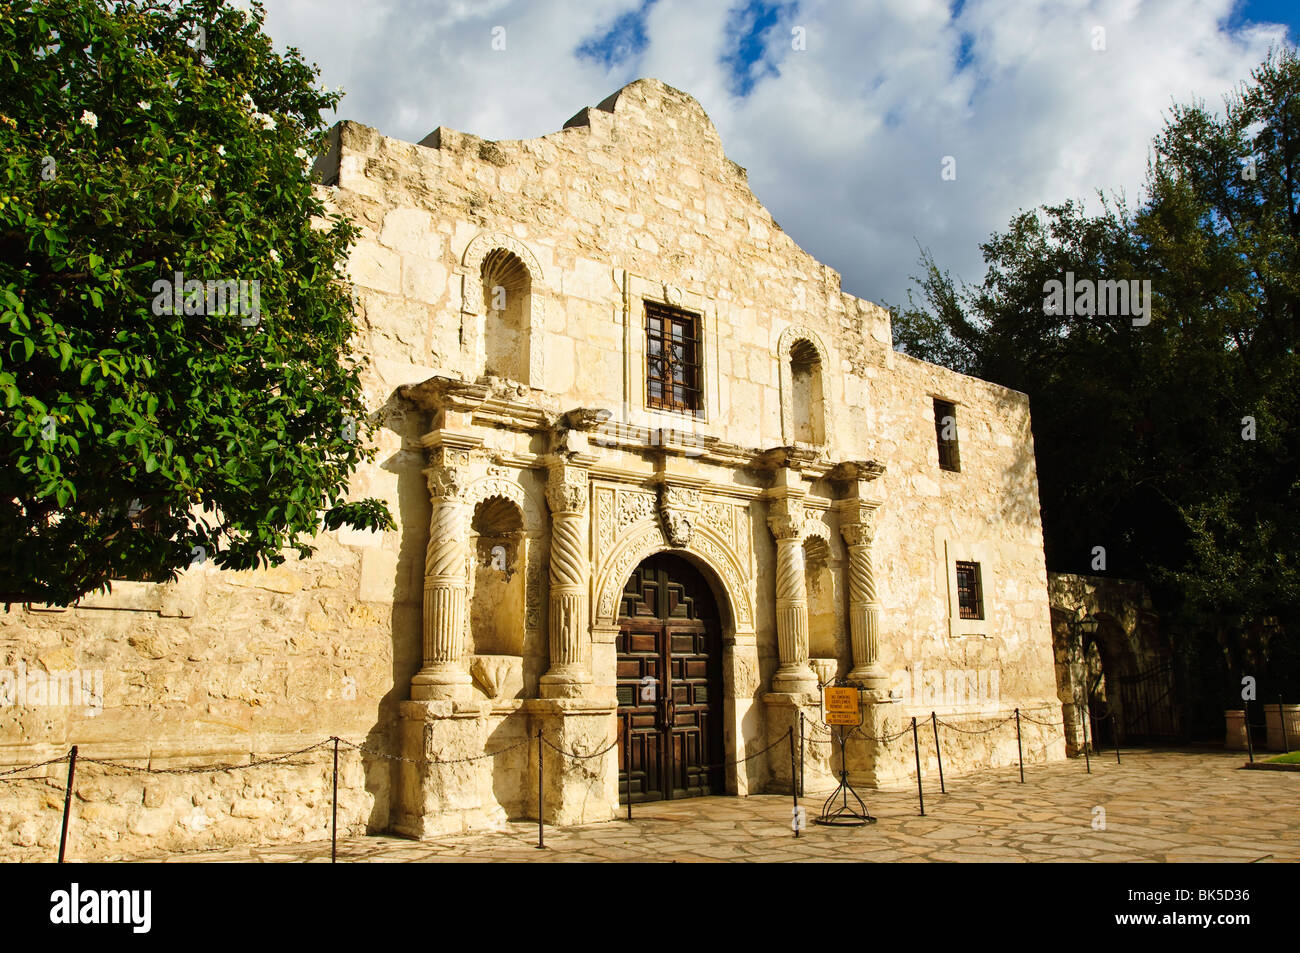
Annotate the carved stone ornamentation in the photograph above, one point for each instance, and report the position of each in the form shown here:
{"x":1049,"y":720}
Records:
{"x":678,"y":528}
{"x":861,"y":515}
{"x":678,"y":510}
{"x":717,"y":516}
{"x":858,"y":527}
{"x":634,"y":506}
{"x":567,"y":489}
{"x":786,"y":520}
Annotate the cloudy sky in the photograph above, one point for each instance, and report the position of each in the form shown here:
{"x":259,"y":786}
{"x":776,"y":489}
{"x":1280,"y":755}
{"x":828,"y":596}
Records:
{"x":844,"y":139}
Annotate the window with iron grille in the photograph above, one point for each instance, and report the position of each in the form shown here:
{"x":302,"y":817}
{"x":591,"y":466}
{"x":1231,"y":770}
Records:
{"x":945,"y":431}
{"x":970,"y":597}
{"x":672,"y":353}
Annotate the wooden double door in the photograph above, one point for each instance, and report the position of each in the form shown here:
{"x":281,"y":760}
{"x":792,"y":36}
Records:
{"x":669,"y":684}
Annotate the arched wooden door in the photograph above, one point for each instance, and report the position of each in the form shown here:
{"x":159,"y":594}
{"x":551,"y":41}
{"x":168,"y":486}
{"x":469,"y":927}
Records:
{"x":669,"y":683}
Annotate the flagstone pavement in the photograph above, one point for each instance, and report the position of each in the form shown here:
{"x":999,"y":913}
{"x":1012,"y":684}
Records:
{"x":1158,"y":806}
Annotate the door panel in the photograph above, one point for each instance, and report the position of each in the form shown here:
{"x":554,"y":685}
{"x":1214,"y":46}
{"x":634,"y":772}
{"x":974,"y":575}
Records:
{"x":669,"y":682}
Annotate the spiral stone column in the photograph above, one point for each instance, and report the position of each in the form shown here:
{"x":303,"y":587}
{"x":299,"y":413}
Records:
{"x":442,"y":674}
{"x":566,"y":495}
{"x":785,"y":519}
{"x":864,"y":610}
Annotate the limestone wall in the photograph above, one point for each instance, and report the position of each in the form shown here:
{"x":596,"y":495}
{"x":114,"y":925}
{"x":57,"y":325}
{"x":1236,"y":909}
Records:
{"x":634,"y":200}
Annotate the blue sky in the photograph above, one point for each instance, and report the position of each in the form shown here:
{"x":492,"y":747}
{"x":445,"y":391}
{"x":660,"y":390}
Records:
{"x":1268,"y":11}
{"x":843,"y":113}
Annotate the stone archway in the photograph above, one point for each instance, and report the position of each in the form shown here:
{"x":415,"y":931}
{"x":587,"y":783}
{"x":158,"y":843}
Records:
{"x":669,"y":670}
{"x":719,"y":566}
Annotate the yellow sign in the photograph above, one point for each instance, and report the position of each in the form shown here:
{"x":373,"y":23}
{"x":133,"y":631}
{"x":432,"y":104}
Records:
{"x":842,"y":706}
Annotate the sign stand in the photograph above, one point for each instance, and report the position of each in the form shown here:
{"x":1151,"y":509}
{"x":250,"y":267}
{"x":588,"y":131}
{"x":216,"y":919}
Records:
{"x":842,"y":707}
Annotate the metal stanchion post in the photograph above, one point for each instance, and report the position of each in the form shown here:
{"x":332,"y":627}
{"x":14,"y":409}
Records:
{"x":794,"y":787}
{"x":1281,"y":716}
{"x":334,"y":818}
{"x":916,"y":749}
{"x":1114,"y":728}
{"x":937,"y":753}
{"x":1245,"y":721}
{"x":801,"y":745}
{"x":541,"y":843}
{"x":1020,"y":750}
{"x":627,"y":768}
{"x":1083,"y":727}
{"x":67,"y":801}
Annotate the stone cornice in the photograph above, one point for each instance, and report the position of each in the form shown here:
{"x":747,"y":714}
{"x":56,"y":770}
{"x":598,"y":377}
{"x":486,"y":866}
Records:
{"x":495,"y":403}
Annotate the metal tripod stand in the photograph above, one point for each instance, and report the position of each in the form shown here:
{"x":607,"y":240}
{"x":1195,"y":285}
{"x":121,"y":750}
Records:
{"x":844,"y":815}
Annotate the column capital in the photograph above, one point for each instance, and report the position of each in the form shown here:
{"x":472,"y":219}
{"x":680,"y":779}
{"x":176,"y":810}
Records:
{"x":448,"y":453}
{"x":567,"y":484}
{"x":785,"y":517}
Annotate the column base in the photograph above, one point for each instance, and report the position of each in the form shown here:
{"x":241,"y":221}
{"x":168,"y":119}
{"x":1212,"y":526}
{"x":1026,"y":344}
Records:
{"x":795,"y":678}
{"x":441,"y":799}
{"x":565,"y":682}
{"x":441,"y":682}
{"x":869,"y":679}
{"x":783,"y":709}
{"x":577,"y":790}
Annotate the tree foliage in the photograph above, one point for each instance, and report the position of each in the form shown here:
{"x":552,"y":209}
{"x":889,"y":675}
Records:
{"x":1173,"y":444}
{"x":144,"y":430}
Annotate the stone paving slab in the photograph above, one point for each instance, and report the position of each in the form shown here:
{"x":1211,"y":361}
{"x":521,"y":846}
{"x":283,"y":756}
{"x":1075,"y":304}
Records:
{"x":1178,"y":806}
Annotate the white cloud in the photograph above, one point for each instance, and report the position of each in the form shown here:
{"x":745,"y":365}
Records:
{"x":844,"y":143}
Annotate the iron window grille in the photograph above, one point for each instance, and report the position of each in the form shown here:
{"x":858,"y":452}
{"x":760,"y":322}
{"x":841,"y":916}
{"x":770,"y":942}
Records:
{"x":672,"y":360}
{"x":970,"y":595}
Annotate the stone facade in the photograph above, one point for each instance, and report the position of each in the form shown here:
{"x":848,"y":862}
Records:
{"x":501,"y":289}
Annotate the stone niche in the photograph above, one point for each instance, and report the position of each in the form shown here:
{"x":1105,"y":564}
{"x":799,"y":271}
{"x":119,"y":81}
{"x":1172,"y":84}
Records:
{"x":497,"y":600}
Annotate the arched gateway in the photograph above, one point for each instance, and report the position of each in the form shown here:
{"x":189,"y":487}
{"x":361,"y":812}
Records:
{"x":670,"y":696}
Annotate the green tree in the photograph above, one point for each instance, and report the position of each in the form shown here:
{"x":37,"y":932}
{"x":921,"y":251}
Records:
{"x":145,"y":426}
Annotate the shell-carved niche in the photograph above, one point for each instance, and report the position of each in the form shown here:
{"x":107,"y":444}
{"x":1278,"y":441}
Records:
{"x":805,"y":371}
{"x":502,"y":305}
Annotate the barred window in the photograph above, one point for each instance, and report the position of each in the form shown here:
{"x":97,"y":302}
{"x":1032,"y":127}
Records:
{"x":945,"y":431}
{"x":672,"y":359}
{"x":970,"y":596}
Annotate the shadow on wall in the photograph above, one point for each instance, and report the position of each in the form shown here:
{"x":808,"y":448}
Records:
{"x":401,"y":418}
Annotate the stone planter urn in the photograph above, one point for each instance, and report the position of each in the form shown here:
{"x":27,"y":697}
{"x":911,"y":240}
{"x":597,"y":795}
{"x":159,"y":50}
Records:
{"x":1274,"y":716}
{"x":1236,"y":736}
{"x":825,"y":669}
{"x":498,"y":676}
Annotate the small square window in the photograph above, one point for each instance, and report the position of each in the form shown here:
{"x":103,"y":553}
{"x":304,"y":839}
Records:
{"x":945,"y":431}
{"x":970,"y":595}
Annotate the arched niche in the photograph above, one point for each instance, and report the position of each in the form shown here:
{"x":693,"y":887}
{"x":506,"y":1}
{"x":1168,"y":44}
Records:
{"x":805,"y":370}
{"x":498,"y":594}
{"x":824,"y":589}
{"x":505,"y":513}
{"x":502,"y":308}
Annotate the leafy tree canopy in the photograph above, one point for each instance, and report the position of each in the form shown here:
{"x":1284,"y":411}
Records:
{"x":1173,"y":444}
{"x":176,"y":382}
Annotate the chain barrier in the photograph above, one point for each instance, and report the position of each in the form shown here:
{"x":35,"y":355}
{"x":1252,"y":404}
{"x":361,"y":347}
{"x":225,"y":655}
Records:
{"x":204,"y":768}
{"x":748,"y":757}
{"x":579,"y":757}
{"x":61,"y":759}
{"x":397,"y":757}
{"x":977,"y":731}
